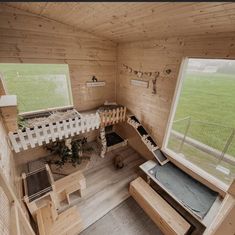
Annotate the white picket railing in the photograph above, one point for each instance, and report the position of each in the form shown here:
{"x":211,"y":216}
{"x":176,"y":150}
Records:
{"x":39,"y":135}
{"x":114,"y":116}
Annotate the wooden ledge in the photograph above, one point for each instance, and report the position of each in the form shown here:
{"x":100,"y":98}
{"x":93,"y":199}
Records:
{"x":163,"y":214}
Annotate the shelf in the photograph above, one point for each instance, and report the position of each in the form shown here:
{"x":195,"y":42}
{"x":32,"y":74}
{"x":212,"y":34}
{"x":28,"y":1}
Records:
{"x":95,"y":84}
{"x":8,"y":100}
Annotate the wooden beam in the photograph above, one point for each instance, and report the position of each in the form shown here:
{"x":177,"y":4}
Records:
{"x":163,"y":215}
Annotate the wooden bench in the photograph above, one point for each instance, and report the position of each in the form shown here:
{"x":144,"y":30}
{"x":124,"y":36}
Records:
{"x":70,"y":184}
{"x":51,"y":223}
{"x":163,"y":215}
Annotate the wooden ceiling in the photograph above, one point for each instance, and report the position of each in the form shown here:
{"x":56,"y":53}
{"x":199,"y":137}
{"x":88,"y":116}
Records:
{"x":122,"y":22}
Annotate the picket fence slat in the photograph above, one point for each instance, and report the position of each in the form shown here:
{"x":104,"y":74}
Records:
{"x":37,"y":136}
{"x":43,"y":135}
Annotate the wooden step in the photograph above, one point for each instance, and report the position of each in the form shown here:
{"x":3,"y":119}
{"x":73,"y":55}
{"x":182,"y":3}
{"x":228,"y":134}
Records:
{"x":169,"y":221}
{"x":50,"y":223}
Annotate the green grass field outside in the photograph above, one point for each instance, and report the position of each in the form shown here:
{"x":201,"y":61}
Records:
{"x":209,"y":99}
{"x":37,"y":86}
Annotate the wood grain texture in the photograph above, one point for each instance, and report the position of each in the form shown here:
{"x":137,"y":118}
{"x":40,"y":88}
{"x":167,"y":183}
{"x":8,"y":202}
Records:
{"x":107,"y":187}
{"x":163,"y":215}
{"x":27,"y":38}
{"x":224,"y":222}
{"x":7,"y":163}
{"x":124,"y":22}
{"x":158,"y":55}
{"x":67,"y":222}
{"x":128,"y":218}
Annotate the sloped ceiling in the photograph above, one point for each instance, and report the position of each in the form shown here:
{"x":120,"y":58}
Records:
{"x":122,"y":22}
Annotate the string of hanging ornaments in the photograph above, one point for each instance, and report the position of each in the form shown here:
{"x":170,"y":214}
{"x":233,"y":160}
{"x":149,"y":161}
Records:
{"x":153,"y":76}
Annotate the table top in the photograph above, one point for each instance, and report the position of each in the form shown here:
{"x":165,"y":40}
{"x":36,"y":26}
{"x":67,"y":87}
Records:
{"x":147,"y":166}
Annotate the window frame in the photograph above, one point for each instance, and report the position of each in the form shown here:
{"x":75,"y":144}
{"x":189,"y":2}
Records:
{"x":41,"y":111}
{"x":187,"y":166}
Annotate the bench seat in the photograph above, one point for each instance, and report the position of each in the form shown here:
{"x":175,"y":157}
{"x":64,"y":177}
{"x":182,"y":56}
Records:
{"x":169,"y":221}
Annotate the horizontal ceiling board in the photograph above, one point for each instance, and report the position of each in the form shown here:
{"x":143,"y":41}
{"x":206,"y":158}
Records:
{"x":123,"y":22}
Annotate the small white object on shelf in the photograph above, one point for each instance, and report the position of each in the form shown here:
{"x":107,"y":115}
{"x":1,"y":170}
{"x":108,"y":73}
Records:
{"x":8,"y":100}
{"x":95,"y":84}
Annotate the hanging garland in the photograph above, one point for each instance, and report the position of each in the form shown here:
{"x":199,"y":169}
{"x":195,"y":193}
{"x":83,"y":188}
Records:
{"x":153,"y":76}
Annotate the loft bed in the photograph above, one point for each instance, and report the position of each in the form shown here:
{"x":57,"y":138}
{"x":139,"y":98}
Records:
{"x":46,"y":128}
{"x":42,"y":128}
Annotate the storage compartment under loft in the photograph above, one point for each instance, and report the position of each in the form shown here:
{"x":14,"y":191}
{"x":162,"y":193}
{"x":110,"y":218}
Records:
{"x":114,"y":141}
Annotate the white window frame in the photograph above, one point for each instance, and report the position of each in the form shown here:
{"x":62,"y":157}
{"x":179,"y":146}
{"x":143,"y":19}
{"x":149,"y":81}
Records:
{"x":190,"y":168}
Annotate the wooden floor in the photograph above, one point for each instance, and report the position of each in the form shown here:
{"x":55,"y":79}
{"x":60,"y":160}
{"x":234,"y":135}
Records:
{"x":126,"y":219}
{"x":107,"y":189}
{"x":107,"y":186}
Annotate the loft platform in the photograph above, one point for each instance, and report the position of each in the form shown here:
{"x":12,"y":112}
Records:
{"x":43,"y":134}
{"x":48,"y":130}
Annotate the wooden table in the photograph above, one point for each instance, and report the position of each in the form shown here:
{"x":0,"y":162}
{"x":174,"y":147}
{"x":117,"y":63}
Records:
{"x":210,"y":214}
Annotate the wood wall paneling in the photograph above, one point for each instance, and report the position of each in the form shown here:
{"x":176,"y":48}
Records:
{"x":27,"y":38}
{"x":123,"y":22}
{"x":155,"y":55}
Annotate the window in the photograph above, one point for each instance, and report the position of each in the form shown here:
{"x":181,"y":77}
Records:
{"x":202,"y":126}
{"x":38,"y":86}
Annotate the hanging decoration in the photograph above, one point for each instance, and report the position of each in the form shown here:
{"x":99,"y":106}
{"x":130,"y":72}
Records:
{"x":153,"y":76}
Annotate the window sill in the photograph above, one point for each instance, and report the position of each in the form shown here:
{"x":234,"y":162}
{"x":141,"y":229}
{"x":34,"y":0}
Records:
{"x":197,"y":173}
{"x":42,"y":111}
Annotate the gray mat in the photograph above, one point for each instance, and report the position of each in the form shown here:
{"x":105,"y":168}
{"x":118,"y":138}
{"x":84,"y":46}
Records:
{"x":194,"y":195}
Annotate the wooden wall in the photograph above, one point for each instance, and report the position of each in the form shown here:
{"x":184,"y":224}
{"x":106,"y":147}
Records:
{"x":157,"y":55}
{"x":27,"y":38}
{"x":7,"y":163}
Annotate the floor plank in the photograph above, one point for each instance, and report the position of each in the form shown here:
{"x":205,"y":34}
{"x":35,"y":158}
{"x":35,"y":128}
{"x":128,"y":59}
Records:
{"x":126,"y":219}
{"x":107,"y":187}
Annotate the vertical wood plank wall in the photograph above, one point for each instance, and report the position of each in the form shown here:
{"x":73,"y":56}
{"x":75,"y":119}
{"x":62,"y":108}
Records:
{"x":7,"y":161}
{"x":157,"y":55}
{"x":11,"y":173}
{"x":27,"y":38}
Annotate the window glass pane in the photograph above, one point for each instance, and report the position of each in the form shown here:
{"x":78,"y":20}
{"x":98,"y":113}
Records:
{"x":203,"y":130}
{"x":37,"y":86}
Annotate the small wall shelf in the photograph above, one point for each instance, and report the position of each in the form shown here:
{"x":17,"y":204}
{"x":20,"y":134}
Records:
{"x":8,"y":108}
{"x":95,"y":84}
